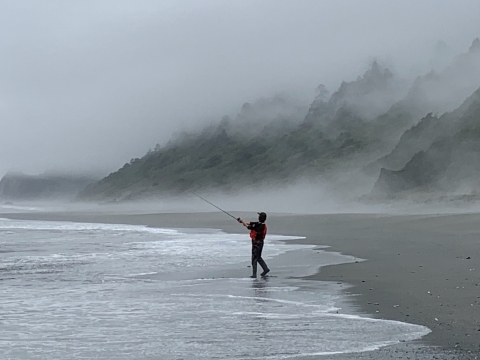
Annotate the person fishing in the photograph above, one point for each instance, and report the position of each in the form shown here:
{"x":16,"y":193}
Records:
{"x":258,"y":230}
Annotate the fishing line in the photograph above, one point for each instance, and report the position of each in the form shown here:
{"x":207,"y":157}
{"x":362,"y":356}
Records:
{"x":214,"y":205}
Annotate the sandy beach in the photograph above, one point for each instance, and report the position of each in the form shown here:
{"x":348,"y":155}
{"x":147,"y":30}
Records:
{"x":421,"y":269}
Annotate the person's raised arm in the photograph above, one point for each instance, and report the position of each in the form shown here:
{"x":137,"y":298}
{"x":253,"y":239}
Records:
{"x":244,"y":223}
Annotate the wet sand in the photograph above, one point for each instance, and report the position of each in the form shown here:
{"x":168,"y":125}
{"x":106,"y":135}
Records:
{"x":421,"y":269}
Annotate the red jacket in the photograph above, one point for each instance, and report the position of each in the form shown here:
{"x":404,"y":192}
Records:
{"x":258,"y":231}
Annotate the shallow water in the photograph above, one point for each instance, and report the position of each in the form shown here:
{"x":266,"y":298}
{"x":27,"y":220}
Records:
{"x":101,"y":291}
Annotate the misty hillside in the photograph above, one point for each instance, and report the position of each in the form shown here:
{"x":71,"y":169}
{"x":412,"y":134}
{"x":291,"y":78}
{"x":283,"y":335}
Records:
{"x":444,"y":91}
{"x":264,"y":142}
{"x":367,"y":97}
{"x":402,"y":137}
{"x":16,"y":186}
{"x":446,"y":155}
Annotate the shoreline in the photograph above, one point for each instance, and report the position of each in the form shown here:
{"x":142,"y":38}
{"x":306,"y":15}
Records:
{"x":421,"y":269}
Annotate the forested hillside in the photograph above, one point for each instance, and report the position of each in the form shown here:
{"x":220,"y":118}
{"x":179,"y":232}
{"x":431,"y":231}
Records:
{"x":406,"y":137}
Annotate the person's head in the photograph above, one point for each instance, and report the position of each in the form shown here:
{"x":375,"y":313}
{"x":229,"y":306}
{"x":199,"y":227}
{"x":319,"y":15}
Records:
{"x":262,"y":216}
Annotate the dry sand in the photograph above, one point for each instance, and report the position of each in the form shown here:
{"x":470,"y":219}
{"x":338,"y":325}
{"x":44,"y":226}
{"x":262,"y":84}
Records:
{"x":421,"y":269}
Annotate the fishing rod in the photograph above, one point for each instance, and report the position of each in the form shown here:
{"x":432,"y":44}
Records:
{"x":214,"y":205}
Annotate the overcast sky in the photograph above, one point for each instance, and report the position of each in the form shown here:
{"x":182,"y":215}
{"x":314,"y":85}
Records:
{"x":88,"y":85}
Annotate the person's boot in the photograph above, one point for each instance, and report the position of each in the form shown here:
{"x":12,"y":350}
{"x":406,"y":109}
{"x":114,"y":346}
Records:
{"x":264,"y":266}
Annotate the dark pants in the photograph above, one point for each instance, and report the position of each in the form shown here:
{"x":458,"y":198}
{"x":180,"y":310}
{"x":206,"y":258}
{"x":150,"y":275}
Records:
{"x":257,"y":247}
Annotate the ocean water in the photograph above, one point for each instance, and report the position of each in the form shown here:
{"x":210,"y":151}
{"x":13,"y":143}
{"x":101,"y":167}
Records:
{"x":103,"y":291}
